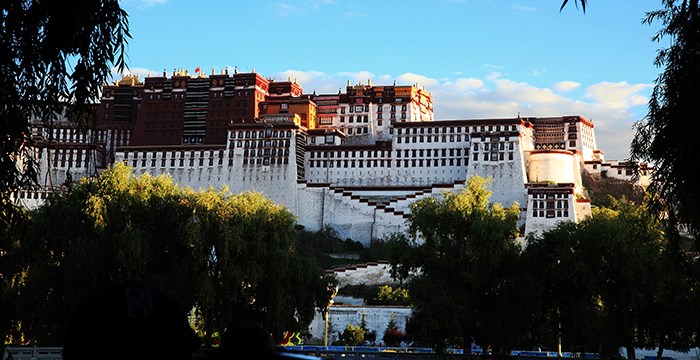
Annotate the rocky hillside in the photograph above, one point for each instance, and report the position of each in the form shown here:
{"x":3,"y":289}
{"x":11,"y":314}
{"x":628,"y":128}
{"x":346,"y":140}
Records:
{"x":601,"y":188}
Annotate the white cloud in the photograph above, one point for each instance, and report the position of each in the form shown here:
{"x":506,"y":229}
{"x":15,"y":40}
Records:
{"x":566,"y":86}
{"x":537,"y":73}
{"x":141,"y":72}
{"x":493,"y":66}
{"x":282,"y":9}
{"x":463,"y":84}
{"x":524,"y":8}
{"x":493,"y":76}
{"x":618,"y":95}
{"x":153,"y":2}
{"x":318,"y":3}
{"x":410,"y":78}
{"x":142,"y":4}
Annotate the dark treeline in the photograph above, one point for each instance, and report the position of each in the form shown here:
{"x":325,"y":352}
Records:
{"x":611,"y":281}
{"x":215,"y":254}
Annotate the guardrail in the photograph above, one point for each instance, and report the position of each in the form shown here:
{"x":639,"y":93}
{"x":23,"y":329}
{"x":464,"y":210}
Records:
{"x":362,"y":353}
{"x":324,"y":352}
{"x":32,"y":353}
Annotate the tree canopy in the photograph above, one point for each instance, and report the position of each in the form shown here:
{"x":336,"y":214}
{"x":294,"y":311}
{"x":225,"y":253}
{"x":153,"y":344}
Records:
{"x":598,"y":279}
{"x":55,"y":58}
{"x":219,"y":254}
{"x":608,"y":282}
{"x":464,"y":254}
{"x":663,"y":137}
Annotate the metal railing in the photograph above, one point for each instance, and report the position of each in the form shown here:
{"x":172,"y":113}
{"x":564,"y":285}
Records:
{"x":32,"y":353}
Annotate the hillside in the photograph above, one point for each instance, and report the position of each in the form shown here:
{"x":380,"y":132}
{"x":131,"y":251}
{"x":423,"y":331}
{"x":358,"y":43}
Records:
{"x":601,"y":189}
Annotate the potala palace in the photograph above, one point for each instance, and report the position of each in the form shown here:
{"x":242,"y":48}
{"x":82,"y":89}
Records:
{"x":353,"y":161}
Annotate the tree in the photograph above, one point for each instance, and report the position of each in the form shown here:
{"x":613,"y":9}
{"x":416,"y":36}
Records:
{"x":662,"y":137}
{"x":604,"y":280}
{"x":387,"y":295}
{"x":392,"y":335}
{"x":353,"y":335}
{"x":576,"y":2}
{"x":464,"y":256}
{"x":223,"y":254}
{"x":54,"y":57}
{"x":562,"y":303}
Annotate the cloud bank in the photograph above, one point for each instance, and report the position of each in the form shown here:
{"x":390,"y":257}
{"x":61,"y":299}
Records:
{"x":614,"y":107}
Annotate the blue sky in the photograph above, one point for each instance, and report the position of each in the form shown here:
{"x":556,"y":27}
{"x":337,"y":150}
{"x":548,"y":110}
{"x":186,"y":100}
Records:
{"x":479,"y":58}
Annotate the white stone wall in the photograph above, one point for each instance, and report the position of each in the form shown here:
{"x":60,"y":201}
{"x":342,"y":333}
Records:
{"x":420,"y":156}
{"x":508,"y":177}
{"x":414,"y":159}
{"x":538,"y":224}
{"x":583,"y":209}
{"x":321,"y":206}
{"x":377,"y":273}
{"x":352,"y":215}
{"x":377,"y":318}
{"x":204,"y":169}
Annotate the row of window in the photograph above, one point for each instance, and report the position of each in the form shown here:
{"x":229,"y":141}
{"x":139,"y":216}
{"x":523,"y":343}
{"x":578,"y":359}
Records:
{"x":429,"y":138}
{"x":30,"y":195}
{"x":181,"y":95}
{"x":173,"y":154}
{"x":495,"y":146}
{"x":266,"y":152}
{"x":63,"y":134}
{"x":180,"y":162}
{"x":551,"y":204}
{"x":365,"y":108}
{"x":119,"y":137}
{"x":550,"y":213}
{"x":550,"y":196}
{"x":351,"y":119}
{"x":264,"y":161}
{"x":387,"y":163}
{"x":493,"y":156}
{"x":259,"y":143}
{"x":262,"y":134}
{"x":71,"y":158}
{"x":456,"y":129}
{"x":356,"y":131}
{"x":387,"y":153}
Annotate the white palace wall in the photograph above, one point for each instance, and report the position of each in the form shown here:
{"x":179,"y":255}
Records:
{"x":351,"y":216}
{"x":377,"y":318}
{"x":366,"y":203}
{"x":362,"y":191}
{"x":216,"y":168}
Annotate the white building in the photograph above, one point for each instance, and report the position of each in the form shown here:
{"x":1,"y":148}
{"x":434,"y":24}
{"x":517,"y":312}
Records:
{"x":376,"y":150}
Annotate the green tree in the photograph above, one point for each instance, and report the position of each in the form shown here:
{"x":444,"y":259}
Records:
{"x":223,"y":254}
{"x":353,"y":335}
{"x":662,"y":137}
{"x":602,"y":279}
{"x":463,"y":257}
{"x":55,"y":56}
{"x":387,"y":295}
{"x":562,"y":302}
